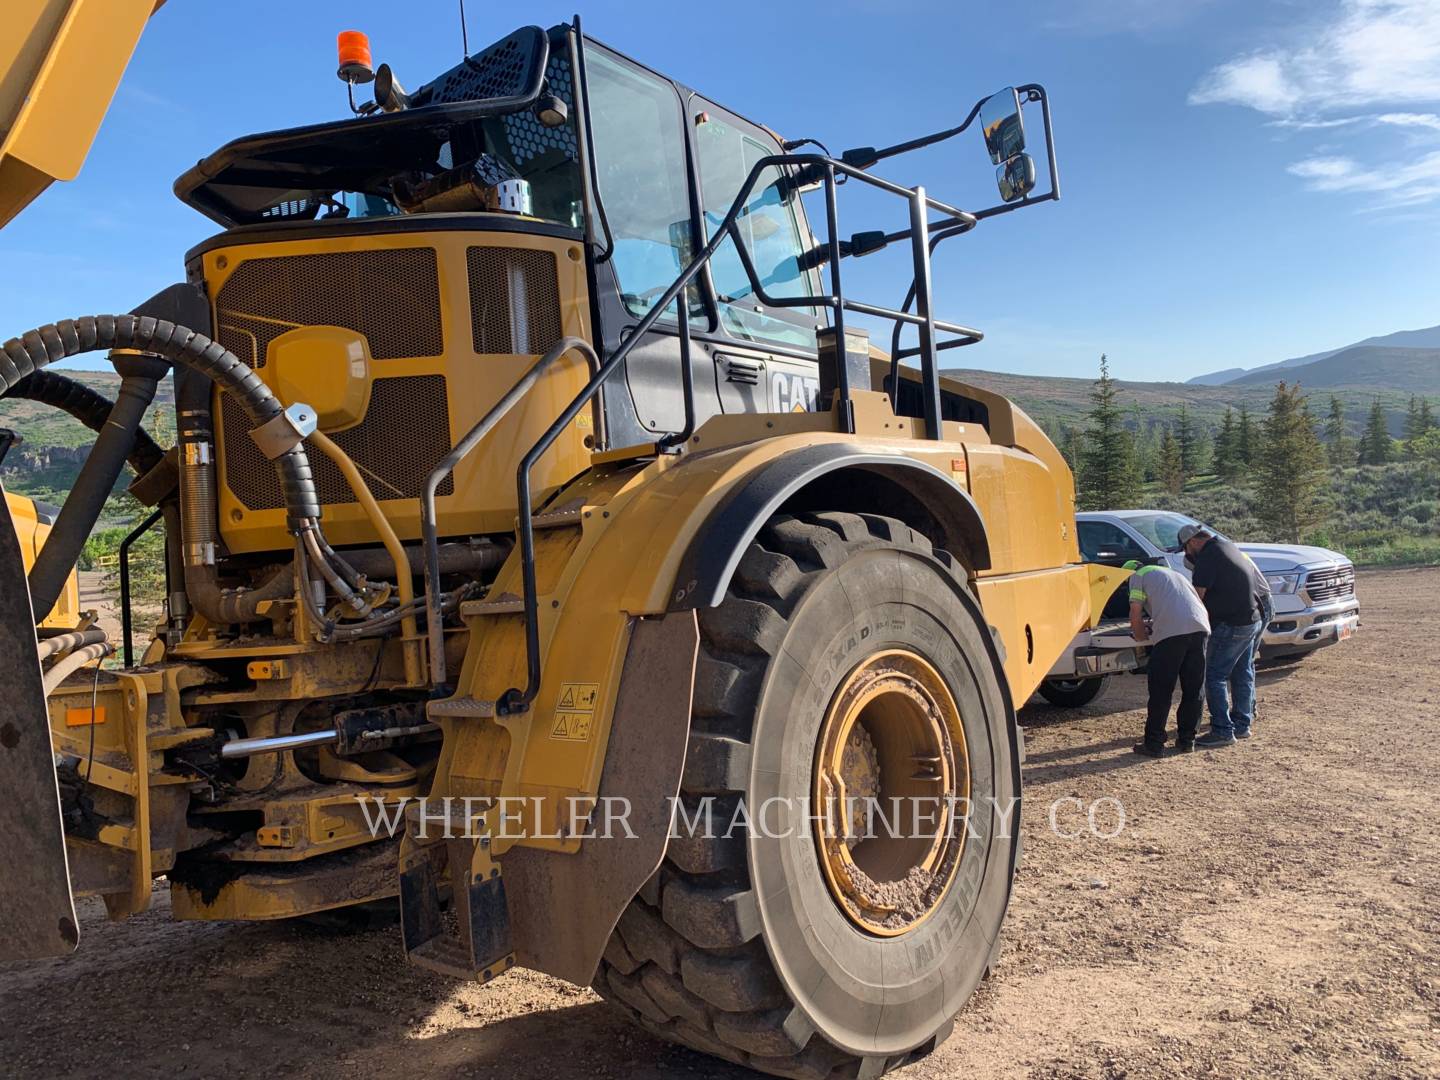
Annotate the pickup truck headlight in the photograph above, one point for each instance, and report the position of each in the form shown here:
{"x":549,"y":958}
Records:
{"x":1284,"y":583}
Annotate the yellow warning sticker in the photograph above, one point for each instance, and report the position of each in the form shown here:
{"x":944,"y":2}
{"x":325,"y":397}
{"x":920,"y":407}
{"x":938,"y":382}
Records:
{"x":571,"y":725}
{"x":577,"y":697}
{"x":574,"y":710}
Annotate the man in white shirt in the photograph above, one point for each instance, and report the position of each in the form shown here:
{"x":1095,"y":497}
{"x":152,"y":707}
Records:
{"x":1177,"y":629}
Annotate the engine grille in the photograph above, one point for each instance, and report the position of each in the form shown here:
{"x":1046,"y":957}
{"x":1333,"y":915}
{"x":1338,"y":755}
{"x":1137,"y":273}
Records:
{"x":395,"y":452}
{"x":391,"y":296}
{"x":514,"y":300}
{"x":1323,"y":586}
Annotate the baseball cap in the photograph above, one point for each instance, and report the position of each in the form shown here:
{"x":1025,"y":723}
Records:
{"x":1132,"y":565}
{"x":1189,"y":532}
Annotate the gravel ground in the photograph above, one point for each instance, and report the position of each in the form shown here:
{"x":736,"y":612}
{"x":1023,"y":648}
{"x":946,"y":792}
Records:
{"x":1266,"y":910}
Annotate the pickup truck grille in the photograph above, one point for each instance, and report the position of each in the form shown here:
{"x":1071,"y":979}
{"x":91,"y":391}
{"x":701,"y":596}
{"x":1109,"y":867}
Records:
{"x":1325,"y":586}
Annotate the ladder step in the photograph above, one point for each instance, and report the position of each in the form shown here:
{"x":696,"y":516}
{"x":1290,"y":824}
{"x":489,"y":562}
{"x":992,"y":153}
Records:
{"x":468,"y":707}
{"x":558,"y":519}
{"x":504,"y":604}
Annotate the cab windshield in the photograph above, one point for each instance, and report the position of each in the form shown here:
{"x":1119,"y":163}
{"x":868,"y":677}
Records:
{"x":1163,"y":529}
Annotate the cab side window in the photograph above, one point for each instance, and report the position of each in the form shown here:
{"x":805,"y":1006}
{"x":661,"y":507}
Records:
{"x":769,"y":225}
{"x":640,"y":159}
{"x":1101,"y":542}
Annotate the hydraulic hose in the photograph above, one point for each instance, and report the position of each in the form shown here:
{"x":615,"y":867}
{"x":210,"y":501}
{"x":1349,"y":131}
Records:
{"x":22,"y":357}
{"x":89,"y":407}
{"x":73,"y":639}
{"x":179,"y":344}
{"x":57,"y":556}
{"x":404,"y":583}
{"x":68,"y":665}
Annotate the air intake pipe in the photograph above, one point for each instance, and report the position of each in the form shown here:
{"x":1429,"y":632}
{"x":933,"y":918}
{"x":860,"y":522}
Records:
{"x":57,"y":557}
{"x":89,"y":407}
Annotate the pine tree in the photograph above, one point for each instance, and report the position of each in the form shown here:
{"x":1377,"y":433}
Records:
{"x":1108,"y":478}
{"x":1172,"y":464}
{"x":1247,"y":440}
{"x":1427,"y":419}
{"x":1188,"y":441}
{"x":1376,"y":446}
{"x":1227,"y":447}
{"x":1339,"y":447}
{"x":1291,"y":467}
{"x":1414,"y":426}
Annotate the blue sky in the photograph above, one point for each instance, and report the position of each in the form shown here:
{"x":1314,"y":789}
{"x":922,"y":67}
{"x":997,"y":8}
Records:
{"x":1243,"y":182}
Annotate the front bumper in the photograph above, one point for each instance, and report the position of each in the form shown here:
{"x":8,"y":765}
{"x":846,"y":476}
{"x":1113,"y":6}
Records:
{"x":1312,"y":628}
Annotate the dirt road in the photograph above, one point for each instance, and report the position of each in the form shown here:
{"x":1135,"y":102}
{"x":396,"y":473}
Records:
{"x":1269,"y":909}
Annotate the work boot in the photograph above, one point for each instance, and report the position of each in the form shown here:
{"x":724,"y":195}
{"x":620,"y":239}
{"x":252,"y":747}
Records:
{"x":1212,"y":740}
{"x":1185,"y":747}
{"x":1147,"y":750}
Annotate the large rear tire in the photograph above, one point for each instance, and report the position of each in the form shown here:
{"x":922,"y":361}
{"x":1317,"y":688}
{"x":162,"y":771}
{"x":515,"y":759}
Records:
{"x":754,"y":946}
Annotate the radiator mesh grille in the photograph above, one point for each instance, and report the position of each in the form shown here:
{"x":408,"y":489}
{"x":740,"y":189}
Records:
{"x":409,"y":434}
{"x":514,"y":300}
{"x":391,"y":296}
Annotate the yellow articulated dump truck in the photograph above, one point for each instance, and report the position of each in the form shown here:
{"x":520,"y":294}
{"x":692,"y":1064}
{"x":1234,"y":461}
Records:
{"x":549,"y":553}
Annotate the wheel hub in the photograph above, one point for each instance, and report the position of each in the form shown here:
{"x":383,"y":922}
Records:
{"x":891,"y":788}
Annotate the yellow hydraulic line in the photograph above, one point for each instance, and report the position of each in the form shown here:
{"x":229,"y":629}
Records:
{"x":409,"y":629}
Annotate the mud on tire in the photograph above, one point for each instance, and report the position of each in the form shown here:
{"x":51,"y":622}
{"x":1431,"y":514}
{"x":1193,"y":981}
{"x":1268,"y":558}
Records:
{"x":736,"y":947}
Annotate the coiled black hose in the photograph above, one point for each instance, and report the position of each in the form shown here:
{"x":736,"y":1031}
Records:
{"x":89,"y":407}
{"x":21,"y":357}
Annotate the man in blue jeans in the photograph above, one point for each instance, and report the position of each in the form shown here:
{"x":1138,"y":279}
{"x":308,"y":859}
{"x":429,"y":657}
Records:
{"x":1223,"y":578}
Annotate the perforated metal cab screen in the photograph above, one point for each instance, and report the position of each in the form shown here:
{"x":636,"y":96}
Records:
{"x":497,"y":72}
{"x":514,"y":300}
{"x":528,"y":137}
{"x":405,"y":433}
{"x":390,"y":296}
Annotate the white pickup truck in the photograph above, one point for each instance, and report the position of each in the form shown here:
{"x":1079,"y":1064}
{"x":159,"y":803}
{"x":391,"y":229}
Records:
{"x":1313,"y":590}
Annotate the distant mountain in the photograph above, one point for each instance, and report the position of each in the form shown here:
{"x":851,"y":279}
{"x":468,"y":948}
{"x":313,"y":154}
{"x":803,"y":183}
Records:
{"x":1426,"y":338}
{"x":1360,"y":367}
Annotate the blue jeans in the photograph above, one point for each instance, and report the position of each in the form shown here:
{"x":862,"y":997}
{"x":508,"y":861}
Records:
{"x":1230,"y":677}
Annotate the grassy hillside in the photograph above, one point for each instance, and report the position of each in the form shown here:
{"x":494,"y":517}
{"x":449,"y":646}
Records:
{"x":1375,"y":514}
{"x":1057,"y":402}
{"x":53,"y":445}
{"x":1407,"y":370}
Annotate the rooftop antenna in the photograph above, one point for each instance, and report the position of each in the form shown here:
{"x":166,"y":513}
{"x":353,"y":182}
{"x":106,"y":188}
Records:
{"x":464,"y":34}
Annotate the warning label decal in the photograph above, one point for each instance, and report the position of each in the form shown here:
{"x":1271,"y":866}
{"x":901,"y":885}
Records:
{"x":574,"y":710}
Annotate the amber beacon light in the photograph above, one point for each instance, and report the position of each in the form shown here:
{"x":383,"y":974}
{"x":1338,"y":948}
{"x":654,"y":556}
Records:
{"x":354,"y":52}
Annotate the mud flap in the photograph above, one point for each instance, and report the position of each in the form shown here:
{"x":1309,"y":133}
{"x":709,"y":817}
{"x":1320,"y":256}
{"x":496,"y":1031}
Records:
{"x":37,"y":912}
{"x":563,"y":908}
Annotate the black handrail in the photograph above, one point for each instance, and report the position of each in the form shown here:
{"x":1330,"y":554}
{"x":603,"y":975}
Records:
{"x":126,"y":625}
{"x":518,"y":700}
{"x":429,"y":528}
{"x":923,"y":235}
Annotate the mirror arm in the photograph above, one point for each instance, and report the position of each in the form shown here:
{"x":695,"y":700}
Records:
{"x":862,"y":157}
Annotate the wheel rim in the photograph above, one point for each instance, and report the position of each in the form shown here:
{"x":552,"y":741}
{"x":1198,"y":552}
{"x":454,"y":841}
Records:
{"x":891,"y":732}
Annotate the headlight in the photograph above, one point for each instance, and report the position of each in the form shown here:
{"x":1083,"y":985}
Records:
{"x":1284,"y":583}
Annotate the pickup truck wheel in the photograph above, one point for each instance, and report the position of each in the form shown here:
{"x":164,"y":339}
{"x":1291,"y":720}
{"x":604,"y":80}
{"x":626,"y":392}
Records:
{"x":850,"y":656}
{"x":1073,"y":693}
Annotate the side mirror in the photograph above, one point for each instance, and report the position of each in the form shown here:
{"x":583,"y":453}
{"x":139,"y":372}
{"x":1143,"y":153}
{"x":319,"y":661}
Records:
{"x":1001,"y":123}
{"x":1016,"y":178}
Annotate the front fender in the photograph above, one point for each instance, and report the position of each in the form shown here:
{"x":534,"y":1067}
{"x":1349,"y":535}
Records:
{"x":917,"y":493}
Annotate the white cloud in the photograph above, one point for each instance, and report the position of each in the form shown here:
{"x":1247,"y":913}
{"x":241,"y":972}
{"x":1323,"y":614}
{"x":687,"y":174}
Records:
{"x":1396,"y":185}
{"x":1376,"y":52}
{"x":1414,"y":120}
{"x":1374,"y":55}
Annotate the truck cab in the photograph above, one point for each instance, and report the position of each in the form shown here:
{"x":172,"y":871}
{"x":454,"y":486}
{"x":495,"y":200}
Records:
{"x":1312,"y":588}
